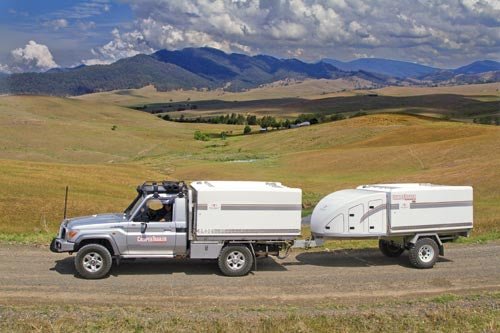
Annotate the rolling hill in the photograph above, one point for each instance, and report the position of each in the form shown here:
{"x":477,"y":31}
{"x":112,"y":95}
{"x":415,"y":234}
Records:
{"x":48,"y":142}
{"x":134,"y":72}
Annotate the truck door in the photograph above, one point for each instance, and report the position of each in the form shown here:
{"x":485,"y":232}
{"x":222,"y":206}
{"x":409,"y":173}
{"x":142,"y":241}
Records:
{"x":355,"y":214}
{"x":152,"y":230}
{"x":376,"y":220}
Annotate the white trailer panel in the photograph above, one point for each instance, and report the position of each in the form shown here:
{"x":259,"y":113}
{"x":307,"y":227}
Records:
{"x":393,"y":209}
{"x":244,"y":210}
{"x":428,"y":207}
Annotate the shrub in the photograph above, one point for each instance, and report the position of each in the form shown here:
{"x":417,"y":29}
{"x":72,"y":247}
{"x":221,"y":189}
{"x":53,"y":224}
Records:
{"x":200,"y":136}
{"x":247,"y":130}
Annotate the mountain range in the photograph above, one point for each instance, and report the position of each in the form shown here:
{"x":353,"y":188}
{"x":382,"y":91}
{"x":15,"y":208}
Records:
{"x":403,"y":69}
{"x":208,"y":68}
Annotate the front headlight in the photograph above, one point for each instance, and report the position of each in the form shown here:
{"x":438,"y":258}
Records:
{"x":71,"y":234}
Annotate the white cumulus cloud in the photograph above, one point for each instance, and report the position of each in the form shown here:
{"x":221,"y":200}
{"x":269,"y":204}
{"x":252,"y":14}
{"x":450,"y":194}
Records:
{"x":123,"y":45}
{"x":33,"y":56}
{"x":440,"y":31}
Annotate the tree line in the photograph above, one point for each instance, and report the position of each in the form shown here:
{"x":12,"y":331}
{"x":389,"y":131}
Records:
{"x":263,"y":122}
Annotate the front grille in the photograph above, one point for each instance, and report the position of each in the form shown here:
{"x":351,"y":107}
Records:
{"x":63,"y":233}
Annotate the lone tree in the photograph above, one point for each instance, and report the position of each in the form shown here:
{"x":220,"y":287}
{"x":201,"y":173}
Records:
{"x":247,"y":130}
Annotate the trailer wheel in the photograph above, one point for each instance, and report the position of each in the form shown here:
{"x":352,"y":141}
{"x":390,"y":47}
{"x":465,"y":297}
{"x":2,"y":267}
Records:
{"x":390,"y":249}
{"x":424,"y":254}
{"x":235,"y":260}
{"x":93,"y":261}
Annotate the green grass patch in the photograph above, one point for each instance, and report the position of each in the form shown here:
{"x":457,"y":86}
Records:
{"x":41,"y":238}
{"x":445,"y":298}
{"x":480,"y":238}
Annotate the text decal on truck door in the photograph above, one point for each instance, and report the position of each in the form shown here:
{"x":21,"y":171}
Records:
{"x":152,"y":239}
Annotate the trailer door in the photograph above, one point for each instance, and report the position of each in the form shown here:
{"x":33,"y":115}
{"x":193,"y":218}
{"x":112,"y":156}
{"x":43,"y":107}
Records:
{"x":355,"y":214}
{"x":376,"y":219}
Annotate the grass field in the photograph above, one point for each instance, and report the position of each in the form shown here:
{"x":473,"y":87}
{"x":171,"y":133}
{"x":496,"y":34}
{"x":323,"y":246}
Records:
{"x":47,"y":143}
{"x":462,"y":103}
{"x":440,"y":313}
{"x":309,"y":89}
{"x":449,"y":106}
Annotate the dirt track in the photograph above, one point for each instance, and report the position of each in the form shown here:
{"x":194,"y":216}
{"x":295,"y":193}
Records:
{"x":31,"y":275}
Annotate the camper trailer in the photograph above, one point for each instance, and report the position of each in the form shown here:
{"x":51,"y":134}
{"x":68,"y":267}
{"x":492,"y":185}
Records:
{"x":414,"y":217}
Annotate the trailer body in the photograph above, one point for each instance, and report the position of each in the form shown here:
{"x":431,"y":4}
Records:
{"x":418,"y":218}
{"x":391,"y":210}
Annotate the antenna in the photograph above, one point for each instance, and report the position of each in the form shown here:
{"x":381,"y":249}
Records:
{"x":66,"y":201}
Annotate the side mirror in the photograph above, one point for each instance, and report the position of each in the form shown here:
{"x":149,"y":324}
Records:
{"x":144,"y":226}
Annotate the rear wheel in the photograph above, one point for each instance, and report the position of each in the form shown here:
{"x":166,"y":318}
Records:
{"x":390,"y":249}
{"x":93,"y":261}
{"x":424,"y":254}
{"x":235,"y":260}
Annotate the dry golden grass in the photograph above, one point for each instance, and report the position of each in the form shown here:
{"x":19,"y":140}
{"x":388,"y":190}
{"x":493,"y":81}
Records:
{"x":67,"y":130}
{"x":47,"y":143}
{"x":311,"y":89}
{"x":491,"y":89}
{"x":308,"y":89}
{"x":447,"y":313}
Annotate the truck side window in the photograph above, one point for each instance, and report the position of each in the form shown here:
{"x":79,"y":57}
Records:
{"x":155,"y":210}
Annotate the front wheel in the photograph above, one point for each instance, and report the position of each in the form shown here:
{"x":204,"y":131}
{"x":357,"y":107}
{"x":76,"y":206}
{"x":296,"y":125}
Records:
{"x":424,"y":254}
{"x":390,"y":249}
{"x":93,"y":261}
{"x":235,"y":260}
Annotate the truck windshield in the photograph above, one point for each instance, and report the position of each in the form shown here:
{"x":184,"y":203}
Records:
{"x":133,"y":206}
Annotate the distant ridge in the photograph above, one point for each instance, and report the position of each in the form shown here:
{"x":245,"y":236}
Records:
{"x":395,"y":68}
{"x":478,"y":67}
{"x":209,"y":68}
{"x":240,"y":71}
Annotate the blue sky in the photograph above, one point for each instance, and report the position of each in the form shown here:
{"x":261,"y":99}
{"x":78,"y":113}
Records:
{"x":37,"y":35}
{"x":69,"y":28}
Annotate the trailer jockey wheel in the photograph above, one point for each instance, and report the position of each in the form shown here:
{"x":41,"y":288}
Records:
{"x":424,"y":254}
{"x":235,"y":260}
{"x":390,"y":249}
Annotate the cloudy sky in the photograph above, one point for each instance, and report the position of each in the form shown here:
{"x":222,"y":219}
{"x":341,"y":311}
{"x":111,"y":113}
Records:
{"x":38,"y":35}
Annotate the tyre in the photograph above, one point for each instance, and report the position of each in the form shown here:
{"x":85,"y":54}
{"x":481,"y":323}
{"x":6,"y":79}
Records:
{"x":424,"y":254}
{"x":390,"y":249}
{"x":93,"y":261}
{"x":235,"y":260}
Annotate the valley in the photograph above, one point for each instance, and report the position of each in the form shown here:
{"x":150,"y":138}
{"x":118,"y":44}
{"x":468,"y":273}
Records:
{"x":102,"y":151}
